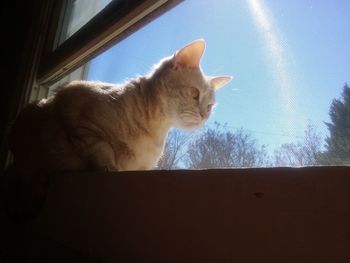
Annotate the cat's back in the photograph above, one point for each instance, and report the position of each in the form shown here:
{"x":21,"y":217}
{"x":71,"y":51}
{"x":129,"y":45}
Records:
{"x":81,"y":92}
{"x":80,"y":99}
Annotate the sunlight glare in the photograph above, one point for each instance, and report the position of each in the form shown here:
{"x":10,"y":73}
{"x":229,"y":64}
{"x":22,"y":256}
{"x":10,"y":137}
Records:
{"x":277,"y":56}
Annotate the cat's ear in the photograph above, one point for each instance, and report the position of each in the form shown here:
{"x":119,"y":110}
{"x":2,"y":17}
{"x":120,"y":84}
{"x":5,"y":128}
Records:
{"x":190,"y":55}
{"x":218,"y":82}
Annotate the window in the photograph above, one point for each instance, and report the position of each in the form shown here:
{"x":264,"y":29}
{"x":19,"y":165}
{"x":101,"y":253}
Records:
{"x":288,"y":72}
{"x":82,"y":36}
{"x":75,"y":14}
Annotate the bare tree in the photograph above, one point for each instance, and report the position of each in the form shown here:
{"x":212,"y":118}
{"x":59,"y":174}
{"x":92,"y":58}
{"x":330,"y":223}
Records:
{"x":301,"y":153}
{"x":219,"y":147}
{"x":174,"y":150}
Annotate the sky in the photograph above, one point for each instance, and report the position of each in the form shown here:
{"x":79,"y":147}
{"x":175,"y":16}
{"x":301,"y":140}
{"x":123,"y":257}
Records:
{"x":289,"y":60}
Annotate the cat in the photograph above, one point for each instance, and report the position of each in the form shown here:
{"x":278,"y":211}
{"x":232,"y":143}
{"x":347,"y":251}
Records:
{"x":100,"y":126}
{"x":89,"y":125}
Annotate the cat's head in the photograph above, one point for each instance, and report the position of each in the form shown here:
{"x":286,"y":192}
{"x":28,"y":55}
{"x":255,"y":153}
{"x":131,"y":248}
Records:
{"x":191,"y":93}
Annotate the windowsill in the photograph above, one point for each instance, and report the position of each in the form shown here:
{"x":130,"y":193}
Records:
{"x":243,"y":215}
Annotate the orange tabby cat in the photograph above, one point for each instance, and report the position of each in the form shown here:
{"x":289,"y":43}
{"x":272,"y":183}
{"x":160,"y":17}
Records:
{"x":101,"y":126}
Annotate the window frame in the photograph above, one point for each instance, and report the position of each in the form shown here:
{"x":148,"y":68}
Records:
{"x":114,"y":23}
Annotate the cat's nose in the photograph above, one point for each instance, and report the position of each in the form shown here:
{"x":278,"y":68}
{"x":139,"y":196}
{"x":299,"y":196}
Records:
{"x":204,"y":115}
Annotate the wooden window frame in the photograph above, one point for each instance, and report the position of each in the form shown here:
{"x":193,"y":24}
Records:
{"x":115,"y":22}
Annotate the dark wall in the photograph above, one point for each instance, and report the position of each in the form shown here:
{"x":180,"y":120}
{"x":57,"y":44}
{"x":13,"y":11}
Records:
{"x":20,"y":21}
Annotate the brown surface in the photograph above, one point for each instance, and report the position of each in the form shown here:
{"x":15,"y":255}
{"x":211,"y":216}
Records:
{"x":265,"y":215}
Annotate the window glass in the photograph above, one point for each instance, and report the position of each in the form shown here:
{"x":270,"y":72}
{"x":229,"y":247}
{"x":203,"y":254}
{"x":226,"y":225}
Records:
{"x":76,"y":13}
{"x":289,"y":103}
{"x":78,"y":74}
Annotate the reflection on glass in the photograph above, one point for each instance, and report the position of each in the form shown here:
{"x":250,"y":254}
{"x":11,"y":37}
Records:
{"x":76,"y":14}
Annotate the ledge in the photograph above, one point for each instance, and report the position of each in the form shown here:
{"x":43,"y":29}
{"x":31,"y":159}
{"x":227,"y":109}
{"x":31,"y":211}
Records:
{"x":244,"y":215}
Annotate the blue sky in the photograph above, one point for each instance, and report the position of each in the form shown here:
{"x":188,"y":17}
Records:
{"x":290,"y":59}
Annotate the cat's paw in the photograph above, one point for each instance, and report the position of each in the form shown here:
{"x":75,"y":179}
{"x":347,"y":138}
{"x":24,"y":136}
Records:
{"x":102,"y":165}
{"x":110,"y":168}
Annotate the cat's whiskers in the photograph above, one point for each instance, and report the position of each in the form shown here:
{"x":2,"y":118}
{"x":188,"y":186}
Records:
{"x":191,"y":114}
{"x":113,"y":98}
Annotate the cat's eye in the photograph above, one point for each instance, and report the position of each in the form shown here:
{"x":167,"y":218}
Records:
{"x":194,"y":92}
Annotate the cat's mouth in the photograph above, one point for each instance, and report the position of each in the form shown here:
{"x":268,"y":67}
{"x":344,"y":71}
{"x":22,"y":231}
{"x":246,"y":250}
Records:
{"x":190,"y":120}
{"x":188,"y":125}
{"x":192,"y":125}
